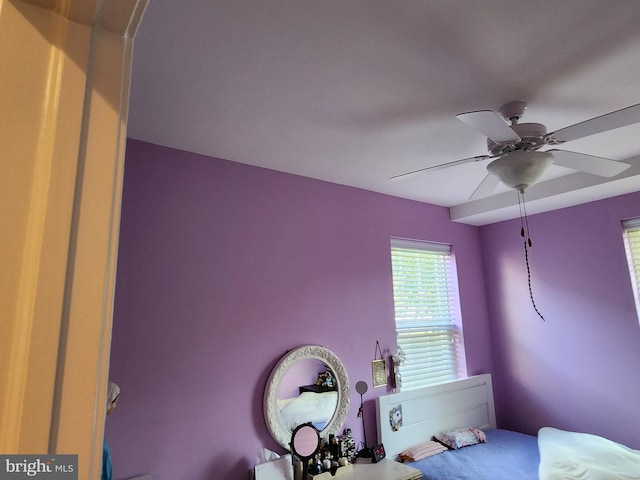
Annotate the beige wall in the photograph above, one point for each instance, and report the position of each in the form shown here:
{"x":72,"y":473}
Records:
{"x":64,"y":94}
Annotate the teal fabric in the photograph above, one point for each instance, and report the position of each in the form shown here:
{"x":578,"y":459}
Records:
{"x":106,"y":461}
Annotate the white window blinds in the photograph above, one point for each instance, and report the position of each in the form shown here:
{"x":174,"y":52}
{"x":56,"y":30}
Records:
{"x":632,"y":246}
{"x":425,"y":291}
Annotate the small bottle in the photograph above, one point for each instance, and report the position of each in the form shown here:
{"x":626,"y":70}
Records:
{"x":334,"y":447}
{"x":326,"y":463}
{"x":315,"y":468}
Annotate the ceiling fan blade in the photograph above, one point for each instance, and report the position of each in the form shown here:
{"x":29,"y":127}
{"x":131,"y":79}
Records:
{"x":486,"y":187}
{"x":404,"y":176}
{"x":490,"y":124}
{"x":603,"y":167}
{"x":603,"y":123}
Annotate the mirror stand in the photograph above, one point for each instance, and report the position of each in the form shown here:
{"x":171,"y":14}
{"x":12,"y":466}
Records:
{"x":361,"y":388}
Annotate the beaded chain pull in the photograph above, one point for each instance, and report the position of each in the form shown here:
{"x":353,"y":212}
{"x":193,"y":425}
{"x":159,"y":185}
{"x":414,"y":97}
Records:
{"x":524,"y":233}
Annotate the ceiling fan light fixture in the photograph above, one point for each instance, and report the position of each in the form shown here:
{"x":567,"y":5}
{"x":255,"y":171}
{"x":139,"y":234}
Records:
{"x":521,"y":169}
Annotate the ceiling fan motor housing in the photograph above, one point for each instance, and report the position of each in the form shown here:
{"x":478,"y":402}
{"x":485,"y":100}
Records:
{"x":520,"y":169}
{"x":532,"y":137}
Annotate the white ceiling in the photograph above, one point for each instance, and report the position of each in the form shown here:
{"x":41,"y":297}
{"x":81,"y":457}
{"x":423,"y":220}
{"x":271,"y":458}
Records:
{"x":356,"y":91}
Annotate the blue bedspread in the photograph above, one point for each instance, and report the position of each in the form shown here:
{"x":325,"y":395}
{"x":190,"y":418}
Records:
{"x":506,"y":455}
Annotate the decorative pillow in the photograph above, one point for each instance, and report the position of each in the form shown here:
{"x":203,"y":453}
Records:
{"x":422,"y":450}
{"x":461,"y":437}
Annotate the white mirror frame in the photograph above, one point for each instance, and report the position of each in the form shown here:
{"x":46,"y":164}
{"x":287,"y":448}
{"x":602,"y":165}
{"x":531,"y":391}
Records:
{"x":270,"y":403}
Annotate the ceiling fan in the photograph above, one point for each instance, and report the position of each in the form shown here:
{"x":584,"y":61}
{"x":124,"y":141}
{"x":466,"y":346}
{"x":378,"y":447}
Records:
{"x":519,"y":163}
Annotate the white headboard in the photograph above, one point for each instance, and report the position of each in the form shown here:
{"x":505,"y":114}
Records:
{"x":429,"y":410}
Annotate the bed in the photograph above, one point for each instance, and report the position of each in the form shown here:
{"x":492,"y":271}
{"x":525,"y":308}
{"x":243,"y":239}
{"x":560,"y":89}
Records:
{"x":464,"y":409}
{"x":506,"y":455}
{"x":407,"y":418}
{"x":411,"y":418}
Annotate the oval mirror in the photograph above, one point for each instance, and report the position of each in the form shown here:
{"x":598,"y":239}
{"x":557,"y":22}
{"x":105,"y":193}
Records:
{"x":292,"y":397}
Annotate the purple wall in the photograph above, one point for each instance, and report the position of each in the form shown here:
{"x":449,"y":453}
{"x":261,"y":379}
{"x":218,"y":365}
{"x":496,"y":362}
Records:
{"x":577,"y":370}
{"x":222,"y":268}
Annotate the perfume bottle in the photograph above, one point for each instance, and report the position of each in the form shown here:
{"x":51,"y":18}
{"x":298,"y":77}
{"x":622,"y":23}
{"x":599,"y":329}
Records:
{"x":315,"y":467}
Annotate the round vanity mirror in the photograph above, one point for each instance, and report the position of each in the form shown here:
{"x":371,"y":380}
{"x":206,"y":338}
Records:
{"x":309,"y":385}
{"x":305,"y":441}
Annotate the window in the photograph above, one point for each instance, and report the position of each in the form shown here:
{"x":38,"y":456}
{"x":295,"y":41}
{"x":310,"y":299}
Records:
{"x":632,"y":245}
{"x":427,"y":312}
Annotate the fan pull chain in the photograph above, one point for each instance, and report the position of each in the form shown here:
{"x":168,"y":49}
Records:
{"x":524,"y":232}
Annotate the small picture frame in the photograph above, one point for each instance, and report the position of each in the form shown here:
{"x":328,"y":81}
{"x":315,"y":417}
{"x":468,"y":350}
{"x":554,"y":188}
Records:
{"x":379,"y":371}
{"x":395,"y":418}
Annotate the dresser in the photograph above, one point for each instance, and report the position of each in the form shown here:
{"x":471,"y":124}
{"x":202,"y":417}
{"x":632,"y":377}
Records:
{"x":385,"y":469}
